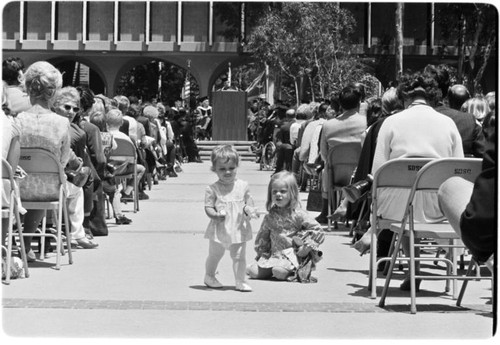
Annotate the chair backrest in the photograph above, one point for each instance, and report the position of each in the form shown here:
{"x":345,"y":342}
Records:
{"x":398,"y":173}
{"x":46,"y":177}
{"x":341,"y":162}
{"x":125,"y":151}
{"x":433,"y":174}
{"x":41,"y":161}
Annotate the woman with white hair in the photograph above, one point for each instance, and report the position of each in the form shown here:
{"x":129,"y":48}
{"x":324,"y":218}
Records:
{"x":66,"y":103}
{"x":41,"y":127}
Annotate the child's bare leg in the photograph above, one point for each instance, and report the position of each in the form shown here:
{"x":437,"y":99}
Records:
{"x":238,"y":254}
{"x":215,"y":254}
{"x":281,"y":273}
{"x":256,"y":272}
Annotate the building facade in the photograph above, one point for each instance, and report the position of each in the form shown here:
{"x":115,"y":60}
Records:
{"x":111,"y":37}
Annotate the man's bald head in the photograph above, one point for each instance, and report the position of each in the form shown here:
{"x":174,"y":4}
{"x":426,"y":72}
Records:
{"x":290,"y":113}
{"x":457,"y":95}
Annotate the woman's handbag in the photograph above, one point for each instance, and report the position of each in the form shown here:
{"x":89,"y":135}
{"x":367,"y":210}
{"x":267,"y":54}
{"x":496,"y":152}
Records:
{"x":315,"y":198}
{"x":79,"y":177}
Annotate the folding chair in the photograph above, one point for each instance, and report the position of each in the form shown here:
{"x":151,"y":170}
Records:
{"x":474,"y":264}
{"x":430,"y":178}
{"x":41,"y":162}
{"x":397,"y":173}
{"x":341,"y":162}
{"x":9,"y":211}
{"x":125,"y":153}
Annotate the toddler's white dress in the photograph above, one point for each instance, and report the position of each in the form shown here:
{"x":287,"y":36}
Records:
{"x":231,"y":198}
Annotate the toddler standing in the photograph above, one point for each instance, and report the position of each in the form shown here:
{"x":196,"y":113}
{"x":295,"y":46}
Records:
{"x":288,"y":235}
{"x":229,"y":206}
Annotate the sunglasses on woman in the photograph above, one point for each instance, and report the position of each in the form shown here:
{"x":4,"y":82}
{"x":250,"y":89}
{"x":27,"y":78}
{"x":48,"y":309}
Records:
{"x":68,"y":107}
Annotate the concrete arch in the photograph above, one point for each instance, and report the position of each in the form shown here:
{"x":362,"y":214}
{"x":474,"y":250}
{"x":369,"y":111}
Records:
{"x":223,"y":66}
{"x":88,"y":62}
{"x":131,"y":63}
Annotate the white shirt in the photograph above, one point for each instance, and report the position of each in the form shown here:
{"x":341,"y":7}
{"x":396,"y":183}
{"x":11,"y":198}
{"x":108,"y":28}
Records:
{"x":132,"y":127}
{"x":294,"y":131}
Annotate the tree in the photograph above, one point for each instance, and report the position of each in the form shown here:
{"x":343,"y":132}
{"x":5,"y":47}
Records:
{"x":472,"y":27}
{"x":142,"y":82}
{"x":308,"y":40}
{"x":399,"y":39}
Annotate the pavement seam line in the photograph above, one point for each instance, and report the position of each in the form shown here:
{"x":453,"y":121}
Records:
{"x":331,"y":307}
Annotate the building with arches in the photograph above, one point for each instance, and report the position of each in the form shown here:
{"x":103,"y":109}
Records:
{"x":111,"y":37}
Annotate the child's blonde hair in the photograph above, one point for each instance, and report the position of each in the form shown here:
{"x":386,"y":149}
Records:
{"x":224,"y":153}
{"x":289,"y":180}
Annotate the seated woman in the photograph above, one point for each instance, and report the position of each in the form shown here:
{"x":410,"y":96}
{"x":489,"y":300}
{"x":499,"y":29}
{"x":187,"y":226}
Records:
{"x":392,"y":103}
{"x":40,"y":126}
{"x":66,"y":103}
{"x":10,"y":152}
{"x":417,"y":131}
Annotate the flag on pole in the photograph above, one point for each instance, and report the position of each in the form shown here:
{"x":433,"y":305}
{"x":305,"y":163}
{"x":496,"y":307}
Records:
{"x":186,"y":91}
{"x":255,"y":82}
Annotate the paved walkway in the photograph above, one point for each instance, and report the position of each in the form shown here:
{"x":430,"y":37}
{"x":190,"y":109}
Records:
{"x":146,"y":280}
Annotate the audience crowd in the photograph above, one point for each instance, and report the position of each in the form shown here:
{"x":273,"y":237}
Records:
{"x":421,"y":116}
{"x":83,"y":130}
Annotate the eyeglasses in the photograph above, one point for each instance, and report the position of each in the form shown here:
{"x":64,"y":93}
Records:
{"x":68,"y":107}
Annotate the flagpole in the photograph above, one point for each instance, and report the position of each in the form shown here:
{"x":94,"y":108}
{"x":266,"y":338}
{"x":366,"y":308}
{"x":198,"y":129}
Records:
{"x":159,"y":80}
{"x":188,"y":81}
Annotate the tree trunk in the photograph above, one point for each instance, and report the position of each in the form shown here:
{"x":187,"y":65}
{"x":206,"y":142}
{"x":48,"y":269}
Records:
{"x":399,"y":40}
{"x":296,"y":90}
{"x":461,"y":51}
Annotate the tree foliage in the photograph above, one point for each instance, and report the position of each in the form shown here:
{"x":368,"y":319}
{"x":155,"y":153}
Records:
{"x":309,"y":40}
{"x":472,"y":27}
{"x":142,"y":81}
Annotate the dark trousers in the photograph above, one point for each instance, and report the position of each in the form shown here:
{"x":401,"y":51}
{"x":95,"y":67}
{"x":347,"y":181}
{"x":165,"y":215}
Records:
{"x":96,"y":221}
{"x":284,"y":157}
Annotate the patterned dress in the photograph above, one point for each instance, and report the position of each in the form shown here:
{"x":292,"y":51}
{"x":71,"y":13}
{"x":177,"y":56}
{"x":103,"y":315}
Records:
{"x":231,"y":198}
{"x":273,"y":243}
{"x":41,"y":128}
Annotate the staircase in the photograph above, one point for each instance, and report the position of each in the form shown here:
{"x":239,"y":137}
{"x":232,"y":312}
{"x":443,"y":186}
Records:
{"x":243,"y":148}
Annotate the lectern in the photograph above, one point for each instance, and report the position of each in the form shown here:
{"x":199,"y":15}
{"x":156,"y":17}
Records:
{"x":229,"y":115}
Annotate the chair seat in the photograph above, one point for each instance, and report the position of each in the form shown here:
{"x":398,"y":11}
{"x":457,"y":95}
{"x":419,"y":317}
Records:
{"x":40,"y":205}
{"x":430,"y":230}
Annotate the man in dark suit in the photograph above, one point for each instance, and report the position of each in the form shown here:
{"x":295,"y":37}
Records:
{"x":470,"y":130}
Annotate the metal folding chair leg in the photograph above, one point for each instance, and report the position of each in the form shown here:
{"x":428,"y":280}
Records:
{"x":473,"y":264}
{"x":13,"y":211}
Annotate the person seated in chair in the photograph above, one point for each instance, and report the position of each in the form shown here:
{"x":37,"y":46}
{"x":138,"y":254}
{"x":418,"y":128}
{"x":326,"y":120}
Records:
{"x":40,"y":124}
{"x":349,"y":126}
{"x":114,"y":120}
{"x":66,"y":103}
{"x":417,"y":131}
{"x":470,"y":207}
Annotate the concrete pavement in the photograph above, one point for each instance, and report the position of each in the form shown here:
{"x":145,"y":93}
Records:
{"x":146,"y":280}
